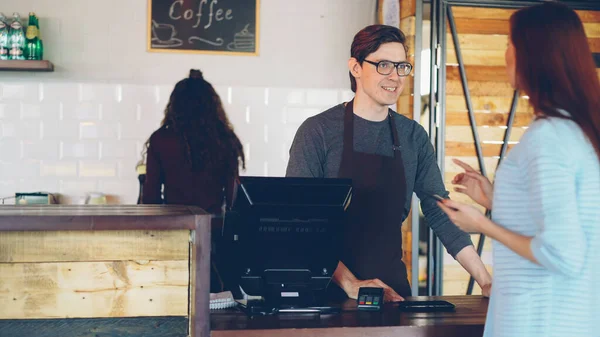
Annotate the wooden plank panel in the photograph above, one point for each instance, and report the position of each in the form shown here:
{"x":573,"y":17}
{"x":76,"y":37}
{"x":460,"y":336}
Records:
{"x":479,"y":42}
{"x":594,"y":44}
{"x":504,"y":14}
{"x":407,"y":25}
{"x":489,"y":162}
{"x":478,"y":73}
{"x":457,"y":103}
{"x":62,"y":246}
{"x":477,"y":57}
{"x":408,"y":86}
{"x":589,"y":16}
{"x":468,"y":149}
{"x":173,"y":326}
{"x":465,"y":135}
{"x":480,"y":26}
{"x":405,"y":106}
{"x":592,"y":29}
{"x":489,"y":119}
{"x":481,"y":13}
{"x":480,"y":88}
{"x":407,"y":8}
{"x":94,"y":289}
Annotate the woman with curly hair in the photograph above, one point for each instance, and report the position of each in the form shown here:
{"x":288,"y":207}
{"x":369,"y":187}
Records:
{"x":195,"y":154}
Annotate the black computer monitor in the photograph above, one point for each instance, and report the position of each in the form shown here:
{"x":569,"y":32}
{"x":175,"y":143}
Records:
{"x":285,"y":235}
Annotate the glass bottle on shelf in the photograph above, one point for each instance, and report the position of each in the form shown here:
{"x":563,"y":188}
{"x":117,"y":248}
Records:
{"x":16,"y":39}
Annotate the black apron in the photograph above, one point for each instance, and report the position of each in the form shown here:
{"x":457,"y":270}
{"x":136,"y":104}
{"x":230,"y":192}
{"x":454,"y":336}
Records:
{"x":372,"y":245}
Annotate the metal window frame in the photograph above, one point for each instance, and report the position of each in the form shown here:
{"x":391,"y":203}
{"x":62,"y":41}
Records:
{"x":441,"y":14}
{"x":418,"y":47}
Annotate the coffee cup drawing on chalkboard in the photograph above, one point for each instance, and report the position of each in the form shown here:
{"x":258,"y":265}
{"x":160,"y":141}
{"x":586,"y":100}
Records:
{"x":242,"y":41}
{"x":163,"y":36}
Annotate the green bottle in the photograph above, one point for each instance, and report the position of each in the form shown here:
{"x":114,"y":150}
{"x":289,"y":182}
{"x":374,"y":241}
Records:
{"x":16,"y":39}
{"x":32,"y":39}
{"x":4,"y":33}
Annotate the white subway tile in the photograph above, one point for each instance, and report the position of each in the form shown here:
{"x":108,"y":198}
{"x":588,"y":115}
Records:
{"x":79,"y":150}
{"x":10,"y":110}
{"x":127,"y":168}
{"x":286,"y":97}
{"x":298,"y":115}
{"x":58,"y":169}
{"x":102,"y":93}
{"x":10,"y":149}
{"x":225,"y":94}
{"x":26,"y":168}
{"x":290,"y":132}
{"x":48,"y":111}
{"x":78,"y":188}
{"x":7,"y":191}
{"x":140,"y":131}
{"x":22,"y":130}
{"x":97,"y":169}
{"x":151,"y":112}
{"x":31,"y":111}
{"x":119,"y":191}
{"x":110,"y":149}
{"x":139,"y":93}
{"x":98,"y":130}
{"x":60,"y":92}
{"x":322,"y":97}
{"x":85,"y":111}
{"x":123,"y":111}
{"x":253,"y":96}
{"x":238,"y":115}
{"x":62,"y":130}
{"x":49,"y":185}
{"x":46,"y":150}
{"x":346,"y":96}
{"x":21,"y":92}
{"x":164,"y":93}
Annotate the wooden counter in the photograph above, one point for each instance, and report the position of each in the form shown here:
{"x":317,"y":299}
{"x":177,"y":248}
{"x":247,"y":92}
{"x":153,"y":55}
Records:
{"x":136,"y":270}
{"x":467,"y":320}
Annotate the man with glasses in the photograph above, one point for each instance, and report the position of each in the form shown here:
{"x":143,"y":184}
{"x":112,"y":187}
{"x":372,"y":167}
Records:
{"x":388,"y":157}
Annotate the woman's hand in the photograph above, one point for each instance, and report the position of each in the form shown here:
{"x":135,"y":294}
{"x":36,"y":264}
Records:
{"x":465,"y":217}
{"x":475,"y":185}
{"x":486,"y":290}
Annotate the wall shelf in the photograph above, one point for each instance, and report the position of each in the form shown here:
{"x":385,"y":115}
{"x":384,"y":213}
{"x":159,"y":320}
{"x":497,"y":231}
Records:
{"x":26,"y":65}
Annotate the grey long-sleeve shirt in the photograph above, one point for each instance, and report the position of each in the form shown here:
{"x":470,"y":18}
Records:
{"x":317,"y":152}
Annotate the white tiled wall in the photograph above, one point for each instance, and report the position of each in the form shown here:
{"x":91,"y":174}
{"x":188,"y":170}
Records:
{"x":74,"y":138}
{"x":81,"y":127}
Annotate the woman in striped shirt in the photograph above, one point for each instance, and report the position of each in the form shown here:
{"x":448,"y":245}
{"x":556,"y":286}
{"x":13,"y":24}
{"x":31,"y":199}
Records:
{"x":545,"y":201}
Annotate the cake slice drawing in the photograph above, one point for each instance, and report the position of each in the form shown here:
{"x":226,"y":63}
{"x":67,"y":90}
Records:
{"x":242,"y":41}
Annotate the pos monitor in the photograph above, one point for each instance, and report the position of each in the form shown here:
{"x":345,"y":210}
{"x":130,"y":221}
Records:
{"x":284,"y":237}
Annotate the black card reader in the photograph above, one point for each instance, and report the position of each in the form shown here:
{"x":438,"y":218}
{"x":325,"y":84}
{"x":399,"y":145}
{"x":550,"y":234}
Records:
{"x":370,"y":299}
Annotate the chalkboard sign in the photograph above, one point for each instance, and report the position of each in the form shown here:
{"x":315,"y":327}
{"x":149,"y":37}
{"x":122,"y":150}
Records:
{"x":204,"y":26}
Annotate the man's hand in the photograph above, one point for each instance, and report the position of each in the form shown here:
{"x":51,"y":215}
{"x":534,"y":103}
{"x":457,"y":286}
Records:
{"x":389,"y":295}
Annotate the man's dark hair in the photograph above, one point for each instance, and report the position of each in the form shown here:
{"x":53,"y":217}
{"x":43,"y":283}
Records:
{"x":369,"y":39}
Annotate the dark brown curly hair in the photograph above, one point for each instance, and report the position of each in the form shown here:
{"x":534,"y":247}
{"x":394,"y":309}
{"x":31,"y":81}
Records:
{"x":196,"y":114}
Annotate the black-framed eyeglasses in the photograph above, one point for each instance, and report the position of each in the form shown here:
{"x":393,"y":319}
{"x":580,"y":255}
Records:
{"x":386,"y":67}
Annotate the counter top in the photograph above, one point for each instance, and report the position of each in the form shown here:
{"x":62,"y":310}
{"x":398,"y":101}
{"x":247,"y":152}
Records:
{"x":98,"y":217}
{"x":467,"y":320}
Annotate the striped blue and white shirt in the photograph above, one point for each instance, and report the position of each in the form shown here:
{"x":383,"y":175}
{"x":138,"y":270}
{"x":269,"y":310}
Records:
{"x":548,"y":187}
